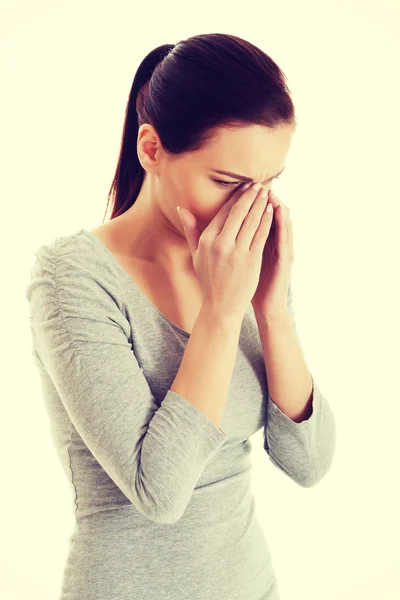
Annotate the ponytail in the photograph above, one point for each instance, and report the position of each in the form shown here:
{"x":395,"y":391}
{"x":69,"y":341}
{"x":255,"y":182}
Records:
{"x":129,"y":174}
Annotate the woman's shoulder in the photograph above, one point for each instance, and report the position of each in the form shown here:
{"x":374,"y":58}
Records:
{"x":74,"y":263}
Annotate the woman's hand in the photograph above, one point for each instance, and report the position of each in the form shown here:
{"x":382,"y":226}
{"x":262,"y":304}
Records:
{"x":270,"y":298}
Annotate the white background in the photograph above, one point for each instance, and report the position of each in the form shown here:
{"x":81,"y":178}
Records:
{"x":67,"y":69}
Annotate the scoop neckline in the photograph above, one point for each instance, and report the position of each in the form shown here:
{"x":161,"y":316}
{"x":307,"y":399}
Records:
{"x":132,"y":281}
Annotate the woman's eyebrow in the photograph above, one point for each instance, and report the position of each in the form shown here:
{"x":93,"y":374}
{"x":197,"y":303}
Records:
{"x":242,"y":177}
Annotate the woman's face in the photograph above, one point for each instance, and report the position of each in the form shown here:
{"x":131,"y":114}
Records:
{"x":191,"y":181}
{"x":151,"y":227}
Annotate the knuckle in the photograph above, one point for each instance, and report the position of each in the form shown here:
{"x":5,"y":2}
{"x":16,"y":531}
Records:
{"x":237,"y":209}
{"x":203,"y":239}
{"x":219,"y":248}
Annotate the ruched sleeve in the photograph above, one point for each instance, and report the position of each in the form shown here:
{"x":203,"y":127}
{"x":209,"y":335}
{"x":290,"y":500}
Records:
{"x":154,"y":454}
{"x":303,"y":451}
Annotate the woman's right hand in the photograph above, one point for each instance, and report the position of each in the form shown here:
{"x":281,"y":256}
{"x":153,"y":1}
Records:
{"x":227,"y":256}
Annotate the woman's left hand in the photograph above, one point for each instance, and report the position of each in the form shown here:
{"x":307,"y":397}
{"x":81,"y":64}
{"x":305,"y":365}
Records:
{"x":270,"y":298}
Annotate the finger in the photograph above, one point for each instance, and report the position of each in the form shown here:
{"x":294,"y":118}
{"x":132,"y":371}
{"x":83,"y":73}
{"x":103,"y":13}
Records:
{"x":276,"y":200}
{"x":263,"y":231}
{"x":235,"y":210}
{"x":284,"y":237}
{"x":282,"y":229}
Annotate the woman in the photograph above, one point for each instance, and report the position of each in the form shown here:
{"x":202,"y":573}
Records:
{"x":154,"y":337}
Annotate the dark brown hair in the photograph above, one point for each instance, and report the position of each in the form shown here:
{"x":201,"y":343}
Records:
{"x":186,"y":91}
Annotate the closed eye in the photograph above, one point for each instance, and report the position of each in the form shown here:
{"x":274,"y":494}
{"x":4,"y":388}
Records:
{"x":227,"y":183}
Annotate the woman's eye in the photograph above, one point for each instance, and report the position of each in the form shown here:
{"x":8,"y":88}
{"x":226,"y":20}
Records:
{"x":226,"y":183}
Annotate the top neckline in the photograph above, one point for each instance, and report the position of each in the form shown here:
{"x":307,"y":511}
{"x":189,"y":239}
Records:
{"x":131,"y":280}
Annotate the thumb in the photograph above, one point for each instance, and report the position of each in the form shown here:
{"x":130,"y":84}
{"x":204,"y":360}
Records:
{"x":190,"y":228}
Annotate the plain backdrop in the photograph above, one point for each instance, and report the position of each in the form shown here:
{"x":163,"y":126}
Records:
{"x":67,"y":69}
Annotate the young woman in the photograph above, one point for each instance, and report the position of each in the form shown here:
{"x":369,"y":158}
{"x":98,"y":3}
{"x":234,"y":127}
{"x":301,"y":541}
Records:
{"x":165,"y":341}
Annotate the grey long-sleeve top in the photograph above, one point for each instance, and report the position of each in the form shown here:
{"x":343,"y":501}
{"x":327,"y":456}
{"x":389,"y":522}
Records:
{"x":162,"y":496}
